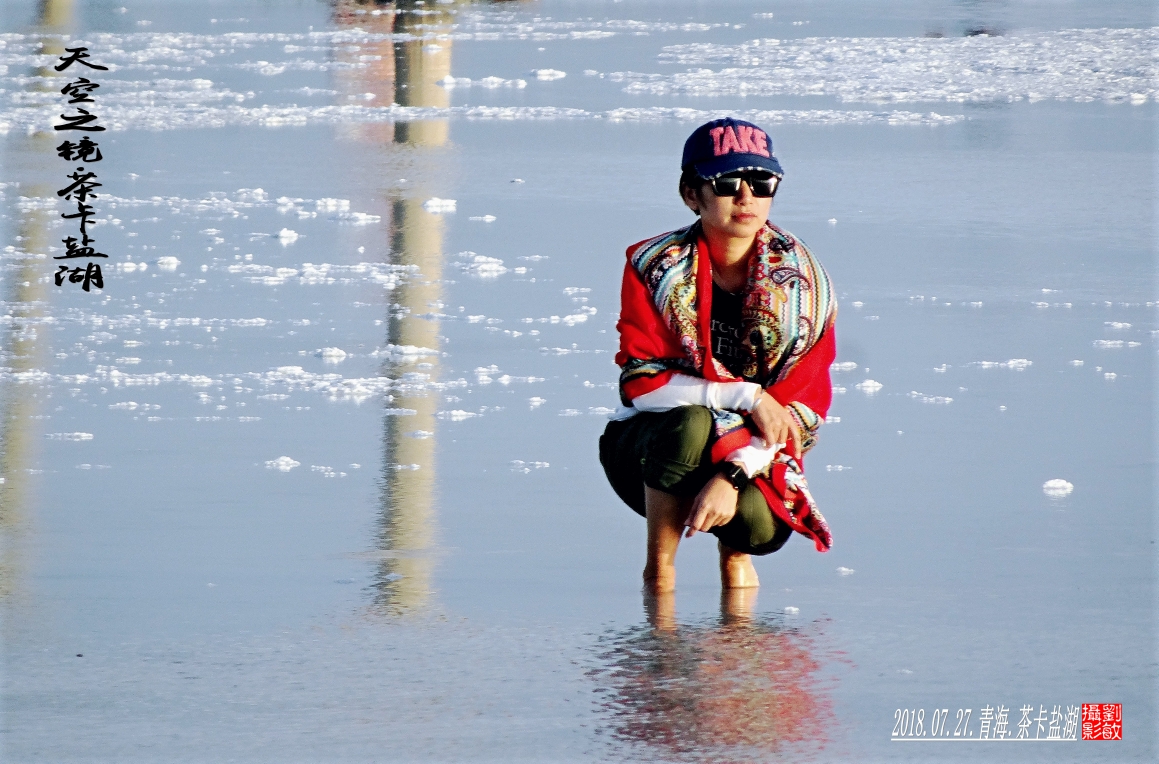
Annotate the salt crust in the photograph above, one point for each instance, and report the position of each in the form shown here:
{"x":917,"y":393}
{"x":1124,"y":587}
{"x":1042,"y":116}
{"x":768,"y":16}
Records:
{"x":1017,"y":364}
{"x":143,"y":88}
{"x":1071,"y":64}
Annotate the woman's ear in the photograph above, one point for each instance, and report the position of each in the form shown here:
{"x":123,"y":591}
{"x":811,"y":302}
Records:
{"x":691,"y":199}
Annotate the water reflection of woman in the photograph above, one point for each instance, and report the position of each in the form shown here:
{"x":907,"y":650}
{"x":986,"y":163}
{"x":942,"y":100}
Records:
{"x":742,"y":689}
{"x":726,"y":337}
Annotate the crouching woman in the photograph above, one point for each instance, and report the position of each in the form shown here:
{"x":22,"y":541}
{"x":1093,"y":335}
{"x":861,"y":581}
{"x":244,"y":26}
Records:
{"x":726,"y":337}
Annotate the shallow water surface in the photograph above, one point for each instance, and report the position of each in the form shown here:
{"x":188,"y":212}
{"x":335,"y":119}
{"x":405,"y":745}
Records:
{"x":314,"y":476}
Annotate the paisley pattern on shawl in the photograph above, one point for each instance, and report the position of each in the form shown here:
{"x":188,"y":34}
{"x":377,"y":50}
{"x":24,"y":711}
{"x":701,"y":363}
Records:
{"x":788,"y":301}
{"x":788,"y":304}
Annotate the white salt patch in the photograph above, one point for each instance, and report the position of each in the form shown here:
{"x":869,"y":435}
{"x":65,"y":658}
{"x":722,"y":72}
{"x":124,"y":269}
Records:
{"x":332,"y":355}
{"x":404,"y":467}
{"x":1076,"y":363}
{"x":1109,"y":343}
{"x":286,"y":236}
{"x":1057,"y":488}
{"x":490,"y":83}
{"x":548,"y":74}
{"x":857,"y":303}
{"x":484,"y":218}
{"x":518,"y":465}
{"x":437,"y":206}
{"x":332,"y":205}
{"x":939,"y":399}
{"x":70,"y":436}
{"x":843,"y":366}
{"x":282,"y":464}
{"x":832,"y":420}
{"x":404,"y":352}
{"x":457,"y":415}
{"x":536,"y":402}
{"x":790,"y":610}
{"x":1110,"y":375}
{"x":600,"y":410}
{"x":168,"y":263}
{"x":357,"y":218}
{"x":485,"y":267}
{"x":1117,"y":324}
{"x":845,"y":571}
{"x":869,"y":386}
{"x":420,"y":434}
{"x":836,"y":468}
{"x":1018,"y":364}
{"x":832,"y":221}
{"x":570,"y":412}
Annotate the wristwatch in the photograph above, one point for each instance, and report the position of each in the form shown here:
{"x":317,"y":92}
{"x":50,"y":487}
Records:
{"x":736,"y":475}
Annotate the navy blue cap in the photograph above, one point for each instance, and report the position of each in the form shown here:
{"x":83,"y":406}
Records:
{"x":729,"y":145}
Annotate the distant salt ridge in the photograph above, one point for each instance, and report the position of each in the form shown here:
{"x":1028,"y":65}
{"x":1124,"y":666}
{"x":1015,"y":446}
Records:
{"x":1072,"y":64}
{"x":172,"y":115}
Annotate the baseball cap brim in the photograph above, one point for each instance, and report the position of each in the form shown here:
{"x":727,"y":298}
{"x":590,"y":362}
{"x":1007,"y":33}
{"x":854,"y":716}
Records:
{"x":714,"y":168}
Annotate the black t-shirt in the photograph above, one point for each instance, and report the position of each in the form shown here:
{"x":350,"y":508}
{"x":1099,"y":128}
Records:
{"x":726,"y":329}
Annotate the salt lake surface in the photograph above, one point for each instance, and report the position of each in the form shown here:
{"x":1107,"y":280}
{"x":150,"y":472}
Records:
{"x":314,"y":477}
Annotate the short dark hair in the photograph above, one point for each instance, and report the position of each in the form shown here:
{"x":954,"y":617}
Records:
{"x":691,"y":179}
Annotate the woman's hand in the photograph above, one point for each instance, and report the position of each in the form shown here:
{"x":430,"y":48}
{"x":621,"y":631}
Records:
{"x":776,"y":424}
{"x":714,"y":505}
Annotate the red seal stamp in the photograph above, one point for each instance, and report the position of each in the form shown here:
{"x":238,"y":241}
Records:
{"x":1102,"y":721}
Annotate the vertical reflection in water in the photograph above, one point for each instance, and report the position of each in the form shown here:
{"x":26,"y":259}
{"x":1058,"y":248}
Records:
{"x":741,"y":688}
{"x":407,"y":72}
{"x":22,"y":349}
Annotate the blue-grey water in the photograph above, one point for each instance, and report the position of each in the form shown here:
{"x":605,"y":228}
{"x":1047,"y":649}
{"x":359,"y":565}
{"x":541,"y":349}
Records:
{"x":314,"y":477}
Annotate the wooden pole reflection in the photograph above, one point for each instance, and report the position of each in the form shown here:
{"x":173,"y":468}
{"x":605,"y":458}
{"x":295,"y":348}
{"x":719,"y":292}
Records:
{"x":407,"y":72}
{"x":24,"y":343}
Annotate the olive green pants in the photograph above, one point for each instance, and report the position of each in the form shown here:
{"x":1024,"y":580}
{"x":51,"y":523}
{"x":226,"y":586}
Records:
{"x":670,"y":451}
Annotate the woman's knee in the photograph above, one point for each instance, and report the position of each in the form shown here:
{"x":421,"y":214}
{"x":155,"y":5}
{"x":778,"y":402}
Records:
{"x":676,"y":447}
{"x":681,"y":434}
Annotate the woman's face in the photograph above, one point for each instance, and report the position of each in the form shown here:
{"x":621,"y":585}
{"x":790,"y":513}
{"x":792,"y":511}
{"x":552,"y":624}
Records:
{"x":739,"y":216}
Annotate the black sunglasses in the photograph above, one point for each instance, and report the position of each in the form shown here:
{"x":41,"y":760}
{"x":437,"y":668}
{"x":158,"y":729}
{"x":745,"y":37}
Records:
{"x":761,"y":184}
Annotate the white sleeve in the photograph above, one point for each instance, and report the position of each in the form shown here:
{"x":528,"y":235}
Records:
{"x":755,"y":456}
{"x":683,"y":390}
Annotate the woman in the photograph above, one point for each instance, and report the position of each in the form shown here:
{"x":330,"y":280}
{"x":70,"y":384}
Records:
{"x":726,"y":337}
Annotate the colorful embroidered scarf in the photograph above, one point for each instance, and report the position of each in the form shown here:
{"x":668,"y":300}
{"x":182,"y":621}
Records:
{"x":787,"y":308}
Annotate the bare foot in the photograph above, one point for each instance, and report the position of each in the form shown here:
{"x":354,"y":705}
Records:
{"x":659,"y":579}
{"x":736,"y":569}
